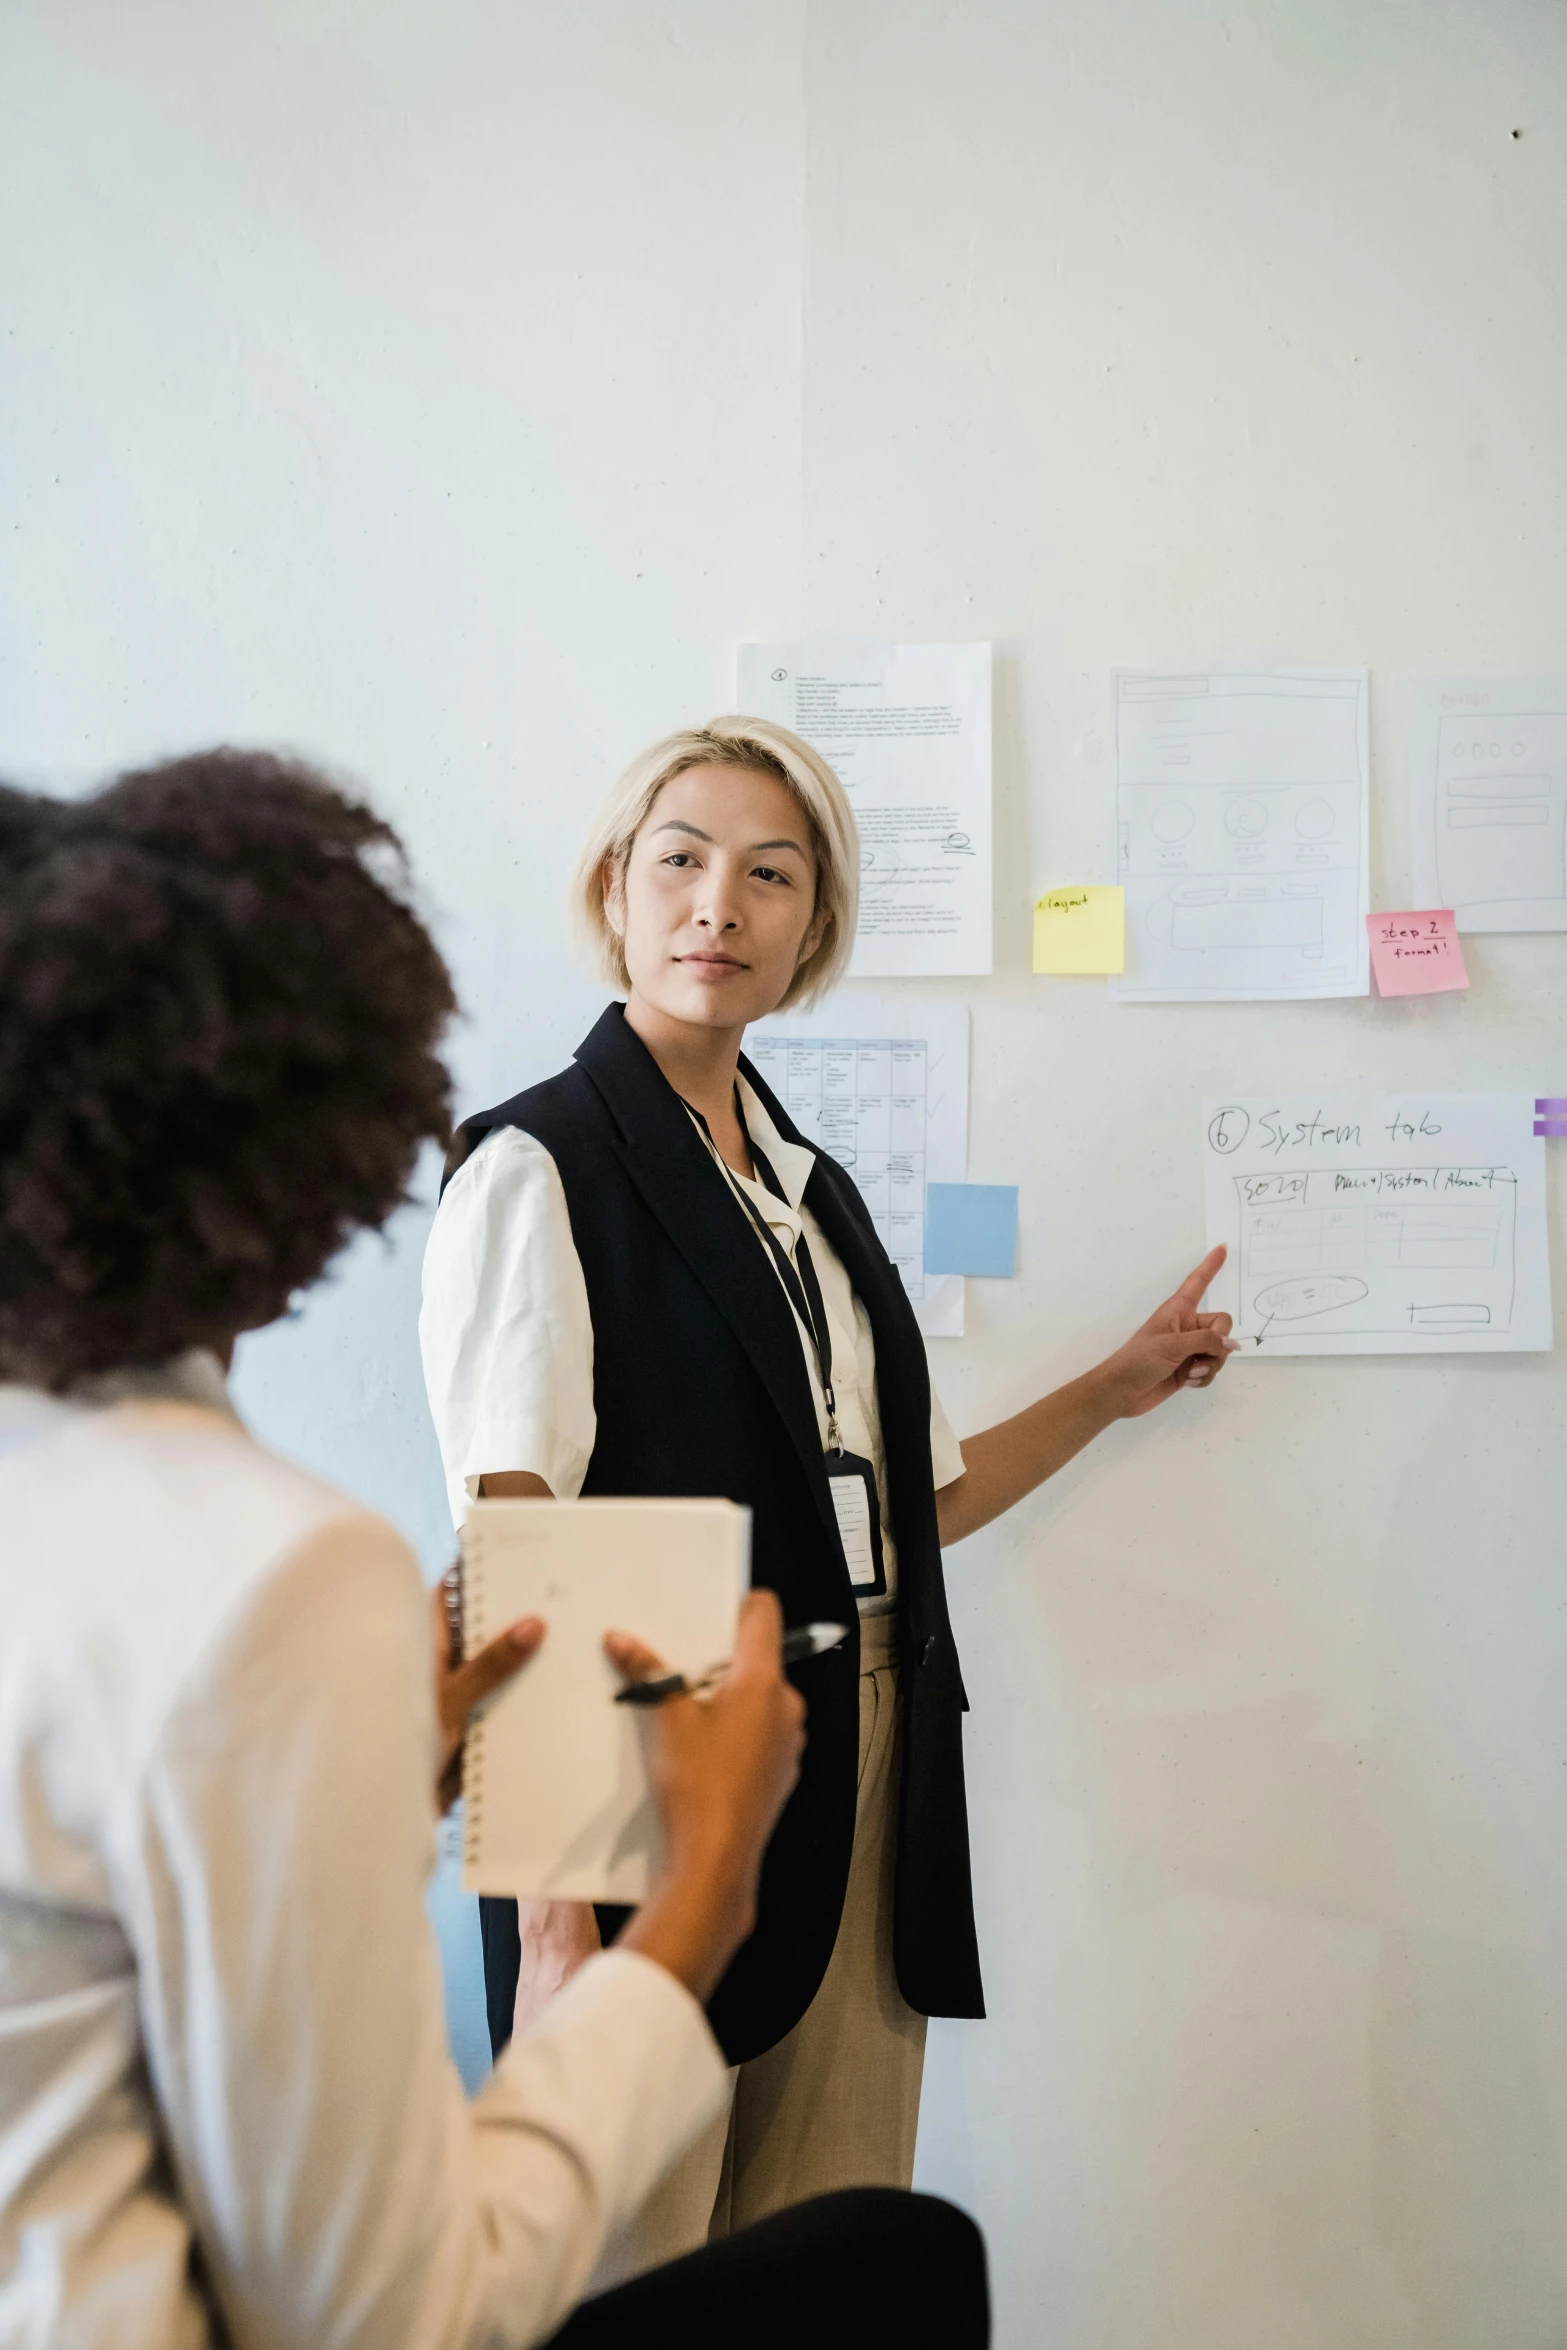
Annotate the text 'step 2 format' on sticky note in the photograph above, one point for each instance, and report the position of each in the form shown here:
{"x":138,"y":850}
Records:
{"x":1078,"y":931}
{"x":1416,"y":954}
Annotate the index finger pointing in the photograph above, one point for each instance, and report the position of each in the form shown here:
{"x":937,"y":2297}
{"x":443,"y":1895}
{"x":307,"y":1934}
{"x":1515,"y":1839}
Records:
{"x":1198,"y":1279}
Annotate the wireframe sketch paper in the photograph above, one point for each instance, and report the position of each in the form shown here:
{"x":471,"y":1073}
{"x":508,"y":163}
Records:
{"x":1242,"y":831}
{"x":555,"y":1786}
{"x":881,"y":1083}
{"x":1488,"y":774}
{"x":1380,"y":1224}
{"x":907,"y":729}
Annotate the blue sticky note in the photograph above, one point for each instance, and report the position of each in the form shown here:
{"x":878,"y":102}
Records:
{"x":971,"y":1228}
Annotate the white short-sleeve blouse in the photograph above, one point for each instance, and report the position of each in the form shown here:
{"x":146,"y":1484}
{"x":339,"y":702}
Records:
{"x":508,"y":1340}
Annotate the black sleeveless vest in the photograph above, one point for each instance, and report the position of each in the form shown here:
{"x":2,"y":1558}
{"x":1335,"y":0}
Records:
{"x":700,"y":1387}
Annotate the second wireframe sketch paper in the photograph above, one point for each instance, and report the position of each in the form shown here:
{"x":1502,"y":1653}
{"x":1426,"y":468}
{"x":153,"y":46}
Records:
{"x":1379,"y":1223}
{"x":1242,"y":831}
{"x":1488,"y":774}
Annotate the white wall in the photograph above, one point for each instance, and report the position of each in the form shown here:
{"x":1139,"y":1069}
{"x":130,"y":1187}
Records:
{"x":444,"y":390}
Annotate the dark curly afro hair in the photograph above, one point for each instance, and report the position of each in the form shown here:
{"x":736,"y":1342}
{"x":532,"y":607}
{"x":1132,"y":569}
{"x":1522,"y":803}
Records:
{"x":218,"y":1027}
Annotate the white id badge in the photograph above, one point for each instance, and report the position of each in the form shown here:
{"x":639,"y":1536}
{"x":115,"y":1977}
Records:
{"x":852,"y":1484}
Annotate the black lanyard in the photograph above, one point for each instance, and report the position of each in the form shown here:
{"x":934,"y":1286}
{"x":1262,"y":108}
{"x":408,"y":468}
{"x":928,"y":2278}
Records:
{"x":801,"y":1286}
{"x":851,"y":1481}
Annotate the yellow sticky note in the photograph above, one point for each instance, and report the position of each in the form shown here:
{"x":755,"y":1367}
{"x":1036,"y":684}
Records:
{"x":1080,"y":930}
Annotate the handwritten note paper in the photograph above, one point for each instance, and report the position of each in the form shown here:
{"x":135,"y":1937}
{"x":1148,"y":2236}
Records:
{"x":907,"y":728}
{"x":1080,"y":930}
{"x":1380,"y":1224}
{"x":1416,"y":954}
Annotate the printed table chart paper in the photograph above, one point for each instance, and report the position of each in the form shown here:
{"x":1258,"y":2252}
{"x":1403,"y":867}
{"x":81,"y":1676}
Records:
{"x":1416,"y":954}
{"x":1080,"y":931}
{"x":906,"y":728}
{"x":1379,"y":1224}
{"x":881,"y":1084}
{"x":971,"y":1228}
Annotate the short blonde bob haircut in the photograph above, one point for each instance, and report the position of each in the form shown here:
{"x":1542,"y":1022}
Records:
{"x":761,"y":748}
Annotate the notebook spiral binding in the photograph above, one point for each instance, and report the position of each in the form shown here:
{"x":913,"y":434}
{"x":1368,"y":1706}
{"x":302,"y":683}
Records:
{"x":474,"y":1636}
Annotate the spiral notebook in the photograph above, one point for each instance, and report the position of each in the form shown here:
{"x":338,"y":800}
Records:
{"x":555,"y":1786}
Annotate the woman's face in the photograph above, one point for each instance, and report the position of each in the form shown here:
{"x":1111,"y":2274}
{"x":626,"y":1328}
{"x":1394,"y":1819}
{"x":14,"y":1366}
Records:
{"x":717,"y":902}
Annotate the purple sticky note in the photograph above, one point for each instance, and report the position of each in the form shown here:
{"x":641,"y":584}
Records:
{"x":1550,"y":1127}
{"x":1550,"y":1106}
{"x":1416,"y":954}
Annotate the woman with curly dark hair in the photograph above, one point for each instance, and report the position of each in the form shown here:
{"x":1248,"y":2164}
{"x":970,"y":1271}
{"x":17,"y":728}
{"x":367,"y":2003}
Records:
{"x":226,"y":2108}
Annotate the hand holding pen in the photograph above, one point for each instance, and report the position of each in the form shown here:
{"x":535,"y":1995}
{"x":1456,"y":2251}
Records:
{"x":807,"y":1640}
{"x":721,"y":1773}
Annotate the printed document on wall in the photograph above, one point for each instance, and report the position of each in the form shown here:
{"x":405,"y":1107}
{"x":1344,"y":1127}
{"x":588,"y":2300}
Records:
{"x":881,"y":1084}
{"x":1242,"y":830}
{"x":907,"y":729}
{"x":1371,"y":1224}
{"x":1488,"y":770}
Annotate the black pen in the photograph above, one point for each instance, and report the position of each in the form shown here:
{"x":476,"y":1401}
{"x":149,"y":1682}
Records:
{"x":806,"y":1640}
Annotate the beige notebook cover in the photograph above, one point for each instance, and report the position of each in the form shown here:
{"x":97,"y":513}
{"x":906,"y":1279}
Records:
{"x":555,"y":1783}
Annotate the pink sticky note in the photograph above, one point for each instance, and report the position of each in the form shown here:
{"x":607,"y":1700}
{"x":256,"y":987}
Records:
{"x":1416,"y":954}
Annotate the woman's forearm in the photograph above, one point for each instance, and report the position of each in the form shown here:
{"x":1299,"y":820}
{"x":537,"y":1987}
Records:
{"x":513,"y":1485}
{"x":1176,"y":1347}
{"x":1003,"y":1463}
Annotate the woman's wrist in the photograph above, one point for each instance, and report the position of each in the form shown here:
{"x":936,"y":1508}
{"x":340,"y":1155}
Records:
{"x":1098,"y":1396}
{"x":694,"y":1920}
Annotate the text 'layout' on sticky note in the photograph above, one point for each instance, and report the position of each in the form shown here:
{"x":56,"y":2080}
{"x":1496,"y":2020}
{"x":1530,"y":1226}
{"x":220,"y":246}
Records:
{"x":971,"y":1228}
{"x":1080,"y":931}
{"x":1416,"y":954}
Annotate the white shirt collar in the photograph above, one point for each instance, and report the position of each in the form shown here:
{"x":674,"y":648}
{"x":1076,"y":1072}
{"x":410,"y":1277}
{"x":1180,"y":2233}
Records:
{"x":193,"y":1377}
{"x":791,"y":1162}
{"x":196,"y":1376}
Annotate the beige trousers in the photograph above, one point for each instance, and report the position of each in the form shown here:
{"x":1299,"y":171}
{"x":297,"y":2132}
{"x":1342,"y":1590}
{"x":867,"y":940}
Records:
{"x":837,"y":2102}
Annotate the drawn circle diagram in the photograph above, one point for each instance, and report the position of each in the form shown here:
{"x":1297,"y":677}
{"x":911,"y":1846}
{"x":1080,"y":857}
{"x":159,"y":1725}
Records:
{"x":1228,"y":1129}
{"x":1173,"y":821}
{"x":1318,"y":1293}
{"x":1315,"y":820}
{"x":1247,"y":819}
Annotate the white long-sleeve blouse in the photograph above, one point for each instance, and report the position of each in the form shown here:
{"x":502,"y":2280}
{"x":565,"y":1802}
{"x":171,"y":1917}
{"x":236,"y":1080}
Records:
{"x":224,"y":2084}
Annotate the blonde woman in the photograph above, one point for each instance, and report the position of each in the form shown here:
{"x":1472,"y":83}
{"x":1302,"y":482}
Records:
{"x":643,"y":1280}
